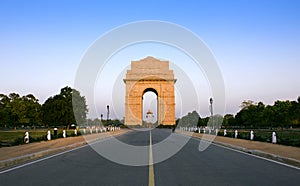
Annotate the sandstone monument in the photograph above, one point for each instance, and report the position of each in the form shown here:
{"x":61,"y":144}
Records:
{"x":145,"y":75}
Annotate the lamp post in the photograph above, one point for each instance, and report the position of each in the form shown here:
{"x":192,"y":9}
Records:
{"x":211,"y":111}
{"x":107,"y":114}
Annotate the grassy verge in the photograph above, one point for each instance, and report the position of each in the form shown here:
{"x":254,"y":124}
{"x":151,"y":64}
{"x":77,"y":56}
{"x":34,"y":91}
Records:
{"x":11,"y":138}
{"x":284,"y":137}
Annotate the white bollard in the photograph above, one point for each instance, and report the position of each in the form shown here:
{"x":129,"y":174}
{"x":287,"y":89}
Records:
{"x":199,"y":130}
{"x":48,"y":135}
{"x":26,"y":138}
{"x":225,"y":132}
{"x":235,"y":133}
{"x":91,"y":130}
{"x":75,"y":132}
{"x":84,"y":131}
{"x":96,"y":130}
{"x":204,"y":131}
{"x":251,"y":135}
{"x":217,"y":130}
{"x":64,"y":134}
{"x":209,"y":130}
{"x":274,"y":138}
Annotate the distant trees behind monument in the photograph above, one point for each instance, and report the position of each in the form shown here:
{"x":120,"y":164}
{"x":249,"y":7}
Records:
{"x":16,"y":110}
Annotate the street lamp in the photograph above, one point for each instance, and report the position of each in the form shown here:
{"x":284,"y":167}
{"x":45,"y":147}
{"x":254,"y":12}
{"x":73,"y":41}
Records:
{"x":211,"y":107}
{"x":107,"y":113}
{"x":211,"y":111}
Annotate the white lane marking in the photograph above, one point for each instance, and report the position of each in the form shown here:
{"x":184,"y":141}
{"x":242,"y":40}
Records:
{"x":151,"y":181}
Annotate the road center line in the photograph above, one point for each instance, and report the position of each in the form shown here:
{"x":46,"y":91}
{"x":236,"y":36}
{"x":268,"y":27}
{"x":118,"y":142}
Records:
{"x":151,"y":169}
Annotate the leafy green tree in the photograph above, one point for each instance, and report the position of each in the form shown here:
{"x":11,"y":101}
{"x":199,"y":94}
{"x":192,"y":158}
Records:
{"x":16,"y":110}
{"x":33,"y":109}
{"x":5,"y":111}
{"x":190,"y":120}
{"x":79,"y":106}
{"x":65,"y":108}
{"x":295,"y":112}
{"x":282,"y":113}
{"x":229,"y":120}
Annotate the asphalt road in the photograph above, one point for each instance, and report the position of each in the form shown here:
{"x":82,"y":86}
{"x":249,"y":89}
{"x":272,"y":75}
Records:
{"x":214,"y":166}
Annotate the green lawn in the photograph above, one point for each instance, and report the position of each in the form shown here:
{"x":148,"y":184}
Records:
{"x":289,"y":137}
{"x":15,"y":137}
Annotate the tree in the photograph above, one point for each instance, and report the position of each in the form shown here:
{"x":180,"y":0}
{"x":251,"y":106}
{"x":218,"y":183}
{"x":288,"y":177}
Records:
{"x":229,"y":120}
{"x":5,"y":110}
{"x":190,"y":120}
{"x":79,"y":106}
{"x":282,"y":115}
{"x":295,"y":112}
{"x":247,"y":104}
{"x":16,"y":110}
{"x":33,"y":109}
{"x":65,"y":108}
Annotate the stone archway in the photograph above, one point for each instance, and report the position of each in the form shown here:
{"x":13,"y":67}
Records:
{"x":144,"y":75}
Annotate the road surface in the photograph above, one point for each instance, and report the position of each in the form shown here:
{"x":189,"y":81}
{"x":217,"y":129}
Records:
{"x":214,"y":166}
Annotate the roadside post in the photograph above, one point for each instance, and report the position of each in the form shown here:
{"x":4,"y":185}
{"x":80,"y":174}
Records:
{"x":64,"y":134}
{"x":251,"y":135}
{"x":274,"y":138}
{"x":48,"y":135}
{"x":26,"y":138}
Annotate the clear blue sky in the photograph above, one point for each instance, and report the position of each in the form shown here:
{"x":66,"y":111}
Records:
{"x":256,"y":43}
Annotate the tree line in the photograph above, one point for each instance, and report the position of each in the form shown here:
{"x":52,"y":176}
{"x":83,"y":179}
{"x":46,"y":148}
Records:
{"x":63,"y":109}
{"x":258,"y":115}
{"x":70,"y":107}
{"x":282,"y":114}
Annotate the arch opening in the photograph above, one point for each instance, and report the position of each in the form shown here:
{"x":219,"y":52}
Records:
{"x":150,"y":108}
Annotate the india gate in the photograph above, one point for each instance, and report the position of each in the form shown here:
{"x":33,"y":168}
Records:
{"x":146,"y":75}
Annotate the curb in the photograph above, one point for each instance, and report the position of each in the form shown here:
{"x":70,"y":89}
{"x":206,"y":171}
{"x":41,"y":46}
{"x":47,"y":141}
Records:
{"x":33,"y":156}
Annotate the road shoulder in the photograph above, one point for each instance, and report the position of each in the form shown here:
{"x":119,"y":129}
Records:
{"x":15,"y":155}
{"x":280,"y":153}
